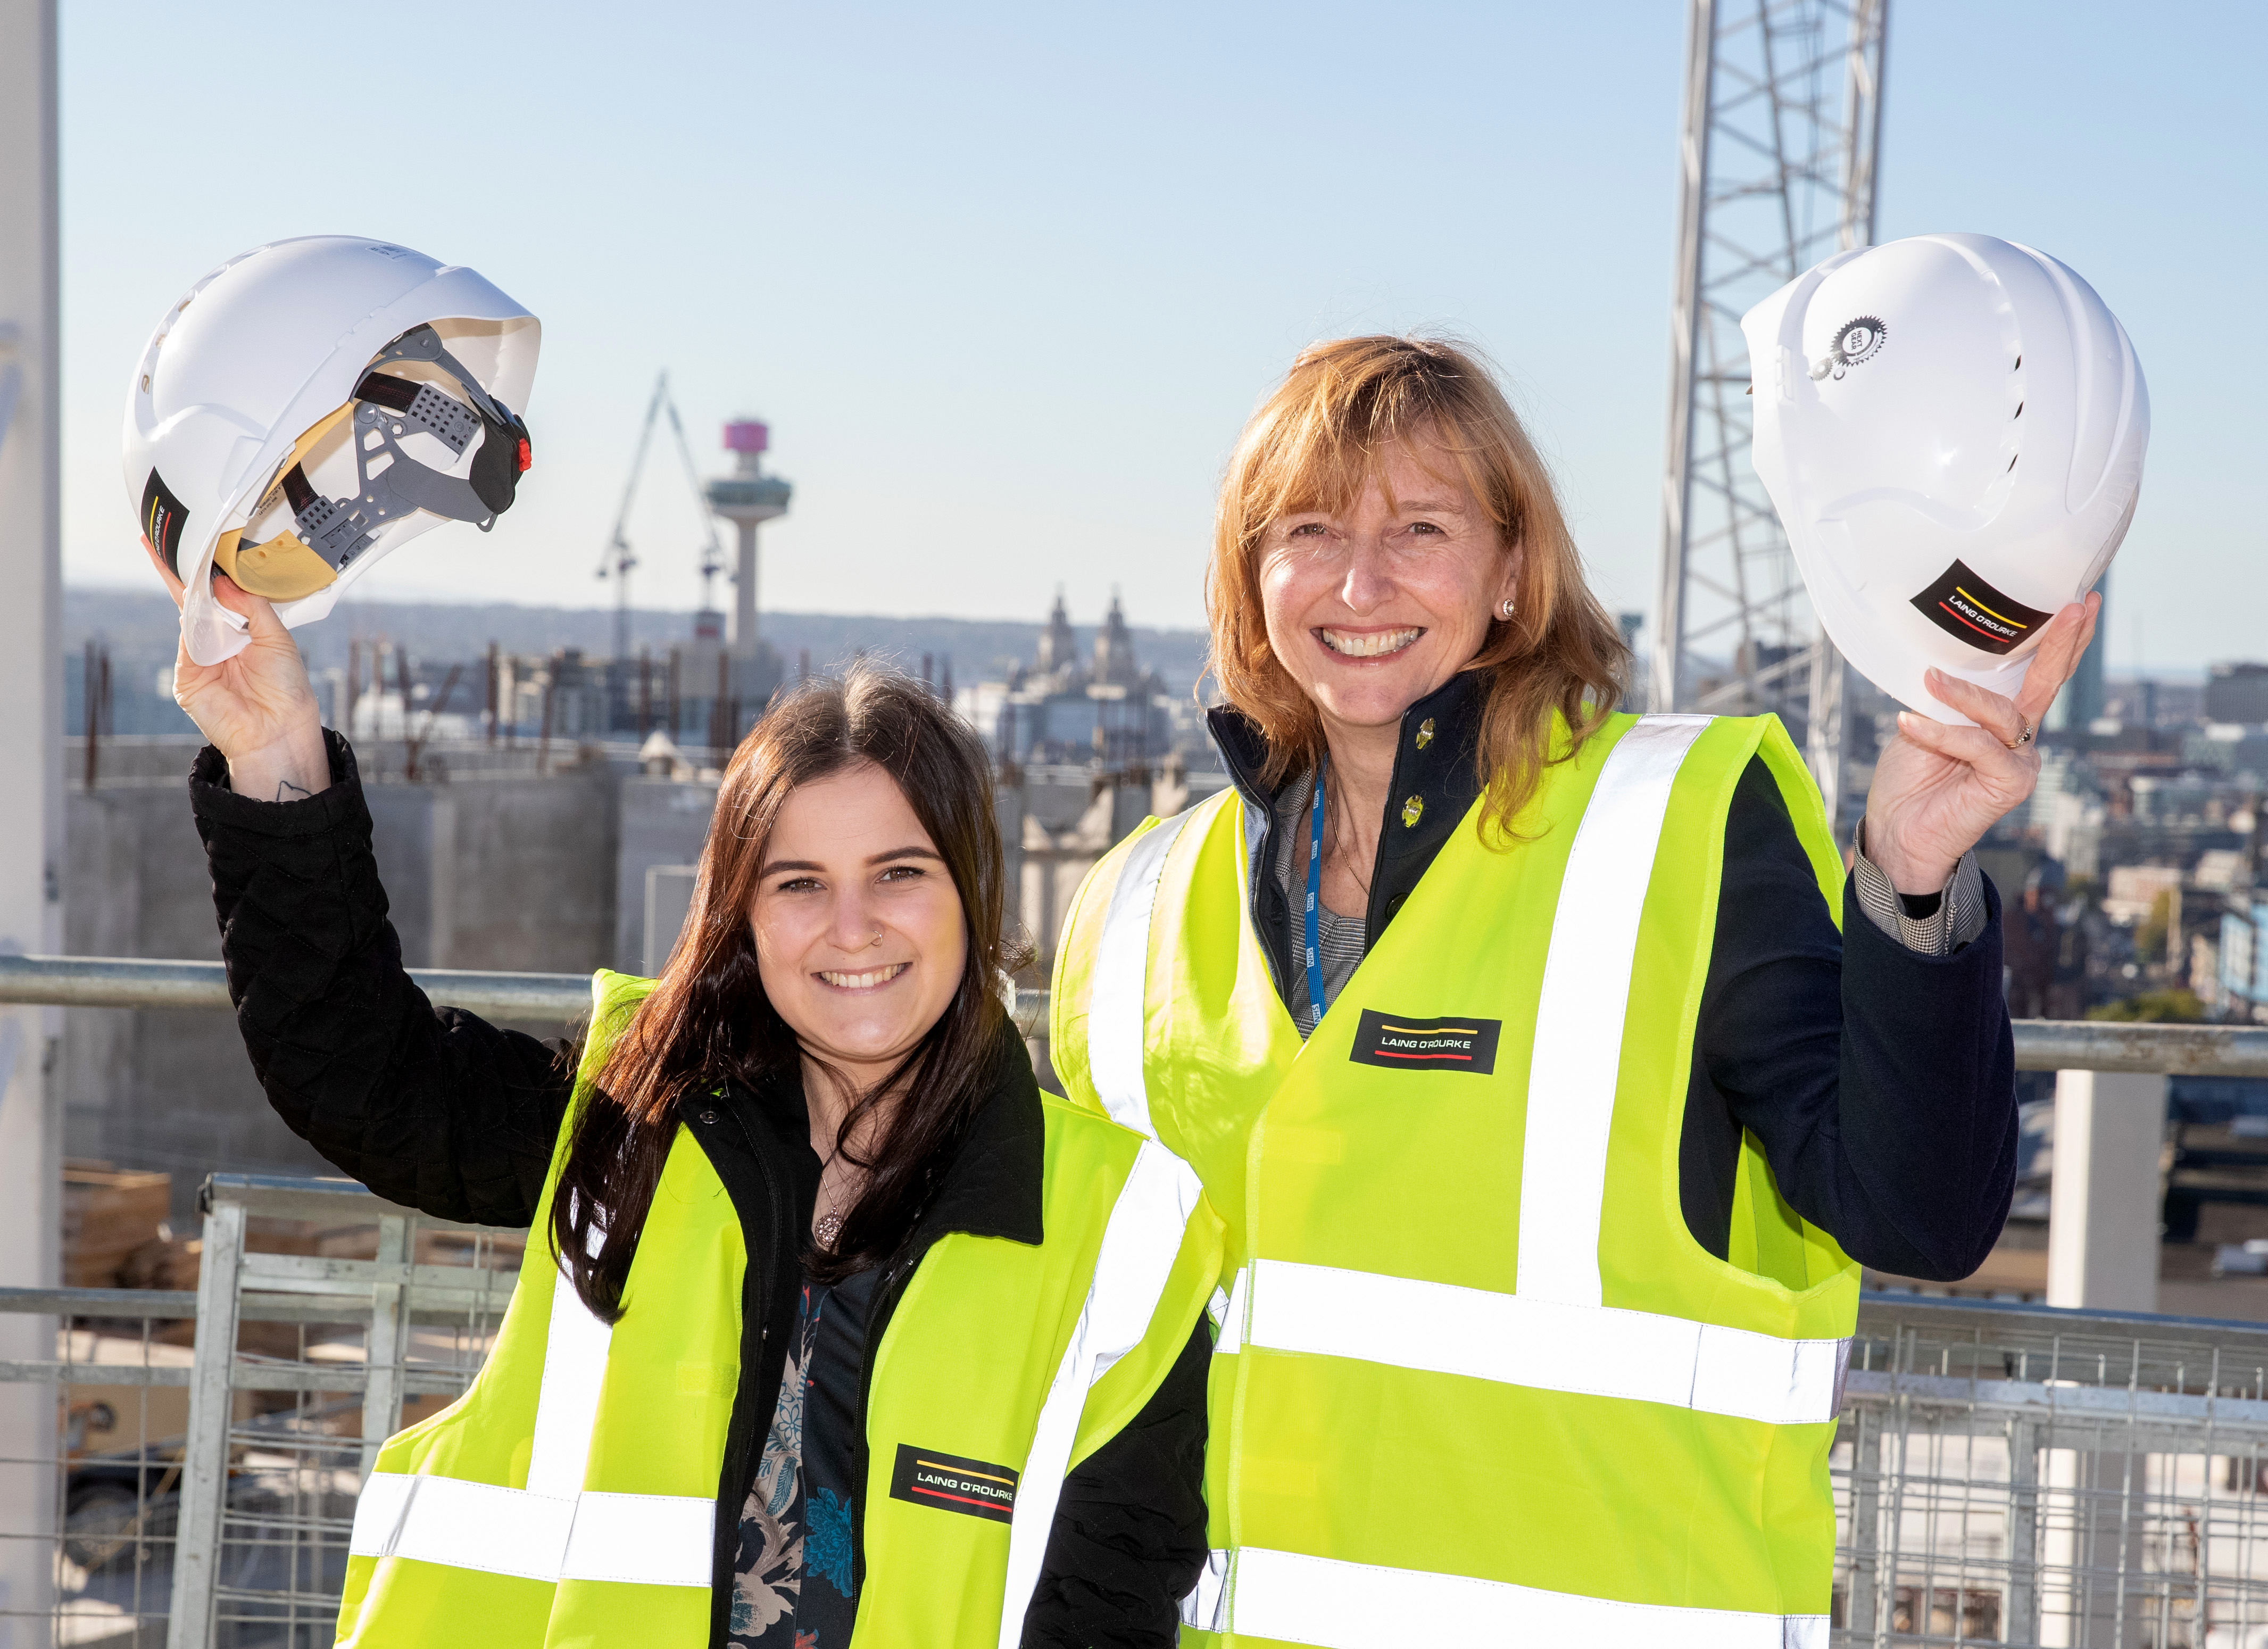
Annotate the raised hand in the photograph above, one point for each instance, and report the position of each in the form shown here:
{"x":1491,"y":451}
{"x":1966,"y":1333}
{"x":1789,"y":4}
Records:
{"x":1938,"y":790}
{"x":257,"y":709}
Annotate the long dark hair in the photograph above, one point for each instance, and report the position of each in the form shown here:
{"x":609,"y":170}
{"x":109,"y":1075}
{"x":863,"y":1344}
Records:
{"x":708,"y":1017}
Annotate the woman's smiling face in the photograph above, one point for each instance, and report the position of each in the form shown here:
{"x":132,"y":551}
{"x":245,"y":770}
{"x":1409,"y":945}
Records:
{"x":1373,"y":607}
{"x":860,"y":938}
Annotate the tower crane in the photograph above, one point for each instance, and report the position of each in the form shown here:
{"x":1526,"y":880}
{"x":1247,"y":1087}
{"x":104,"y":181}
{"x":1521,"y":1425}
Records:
{"x":617,"y":559}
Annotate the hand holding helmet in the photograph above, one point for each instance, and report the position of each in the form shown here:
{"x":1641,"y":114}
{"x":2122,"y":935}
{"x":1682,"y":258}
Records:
{"x":255,"y":706}
{"x":1939,"y":788}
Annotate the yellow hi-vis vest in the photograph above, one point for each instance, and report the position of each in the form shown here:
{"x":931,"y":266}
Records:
{"x":569,"y":1497}
{"x":1476,"y":1383}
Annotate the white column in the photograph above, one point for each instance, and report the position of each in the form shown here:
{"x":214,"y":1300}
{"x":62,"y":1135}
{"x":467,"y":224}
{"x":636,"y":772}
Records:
{"x":30,"y":759}
{"x":2103,"y":1212}
{"x":2103,"y":1255}
{"x":744,"y":594}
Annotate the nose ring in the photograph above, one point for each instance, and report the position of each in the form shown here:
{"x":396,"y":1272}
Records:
{"x":876,"y":940}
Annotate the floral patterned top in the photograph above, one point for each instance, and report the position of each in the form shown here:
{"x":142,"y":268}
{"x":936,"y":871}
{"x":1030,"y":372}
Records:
{"x":793,"y":1585}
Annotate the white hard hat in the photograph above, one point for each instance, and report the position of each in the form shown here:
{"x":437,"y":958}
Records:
{"x":1952,"y":428}
{"x":310,"y":405}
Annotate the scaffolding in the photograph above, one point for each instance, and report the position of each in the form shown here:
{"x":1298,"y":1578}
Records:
{"x":1782,"y":123}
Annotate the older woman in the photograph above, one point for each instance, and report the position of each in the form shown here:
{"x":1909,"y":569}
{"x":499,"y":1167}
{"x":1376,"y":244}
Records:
{"x":1551,"y":1114}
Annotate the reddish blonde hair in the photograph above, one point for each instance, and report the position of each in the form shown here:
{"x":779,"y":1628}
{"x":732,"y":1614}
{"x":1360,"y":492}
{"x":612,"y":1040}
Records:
{"x":1315,"y":444}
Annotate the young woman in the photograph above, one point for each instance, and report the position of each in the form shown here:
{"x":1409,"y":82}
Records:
{"x":1517,"y":1040}
{"x":833,"y":1327}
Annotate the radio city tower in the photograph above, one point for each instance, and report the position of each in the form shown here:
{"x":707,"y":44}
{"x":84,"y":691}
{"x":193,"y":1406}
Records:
{"x":747,"y":498}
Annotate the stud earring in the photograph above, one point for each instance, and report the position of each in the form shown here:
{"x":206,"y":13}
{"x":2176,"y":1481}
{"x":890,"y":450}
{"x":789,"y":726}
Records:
{"x":1506,"y":608}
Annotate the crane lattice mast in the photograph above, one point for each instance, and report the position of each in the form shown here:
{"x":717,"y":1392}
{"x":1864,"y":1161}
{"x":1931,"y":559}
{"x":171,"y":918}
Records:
{"x":1783,"y":124}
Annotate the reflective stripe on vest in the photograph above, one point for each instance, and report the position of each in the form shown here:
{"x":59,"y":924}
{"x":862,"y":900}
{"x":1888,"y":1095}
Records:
{"x":1339,"y":1605}
{"x":1324,"y":1311}
{"x":1139,"y":1245}
{"x":553,"y":1529}
{"x":1115,"y":1033}
{"x":1579,"y":1018}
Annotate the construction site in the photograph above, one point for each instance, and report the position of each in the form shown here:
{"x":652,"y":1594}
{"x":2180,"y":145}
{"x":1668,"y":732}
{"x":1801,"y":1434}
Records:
{"x":205,"y":1335}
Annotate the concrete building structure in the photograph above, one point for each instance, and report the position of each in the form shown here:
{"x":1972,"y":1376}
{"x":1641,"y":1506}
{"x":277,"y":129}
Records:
{"x":2236,"y":692}
{"x":484,"y":867}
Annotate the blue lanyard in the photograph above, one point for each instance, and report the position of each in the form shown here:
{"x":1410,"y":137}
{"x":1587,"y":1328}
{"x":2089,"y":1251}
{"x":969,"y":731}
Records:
{"x":1315,"y":896}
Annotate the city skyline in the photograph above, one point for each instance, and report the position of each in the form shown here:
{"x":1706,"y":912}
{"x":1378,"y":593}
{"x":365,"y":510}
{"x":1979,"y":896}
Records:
{"x":1005,"y":286}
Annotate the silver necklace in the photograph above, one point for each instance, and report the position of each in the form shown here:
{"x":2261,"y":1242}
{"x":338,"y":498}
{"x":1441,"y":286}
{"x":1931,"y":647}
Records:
{"x":828,"y":1226}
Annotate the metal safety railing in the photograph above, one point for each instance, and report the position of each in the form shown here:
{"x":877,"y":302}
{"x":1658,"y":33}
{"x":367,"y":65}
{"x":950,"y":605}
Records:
{"x":2015,"y":1475}
{"x":202,"y":1493}
{"x":118,"y":982}
{"x":2026,"y":1475}
{"x":103,"y":981}
{"x":2011,"y":1474}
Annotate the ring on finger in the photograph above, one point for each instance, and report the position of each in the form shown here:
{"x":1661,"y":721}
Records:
{"x":2023,"y":738}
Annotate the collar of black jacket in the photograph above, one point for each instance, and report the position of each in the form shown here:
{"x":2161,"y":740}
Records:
{"x":990,"y":1186}
{"x":1436,"y":781}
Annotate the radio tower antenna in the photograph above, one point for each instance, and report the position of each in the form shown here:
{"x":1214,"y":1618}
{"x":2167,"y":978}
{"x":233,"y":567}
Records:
{"x":1783,"y":125}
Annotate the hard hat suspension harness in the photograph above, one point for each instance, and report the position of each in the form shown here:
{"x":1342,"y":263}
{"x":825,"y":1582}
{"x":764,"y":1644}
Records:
{"x":384,"y":410}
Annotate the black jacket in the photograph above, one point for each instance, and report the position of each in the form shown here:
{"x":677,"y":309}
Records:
{"x":1879,"y":1083}
{"x":440,"y":1111}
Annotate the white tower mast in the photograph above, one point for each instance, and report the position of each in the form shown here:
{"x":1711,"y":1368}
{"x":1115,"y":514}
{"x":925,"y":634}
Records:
{"x":747,"y":498}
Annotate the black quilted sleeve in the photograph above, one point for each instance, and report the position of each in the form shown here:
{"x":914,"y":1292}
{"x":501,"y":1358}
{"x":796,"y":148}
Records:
{"x":435,"y":1110}
{"x":1129,"y":1537}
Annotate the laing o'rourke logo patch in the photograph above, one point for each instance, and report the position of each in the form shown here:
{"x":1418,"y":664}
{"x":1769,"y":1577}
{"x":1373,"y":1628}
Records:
{"x":975,"y":1488}
{"x":1397,"y":1041}
{"x":163,"y":521}
{"x":1969,"y":609}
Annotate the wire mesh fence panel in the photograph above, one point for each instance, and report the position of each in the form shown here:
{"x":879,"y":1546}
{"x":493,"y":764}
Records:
{"x":2002,"y":1474}
{"x":2022,"y":1474}
{"x":199,"y":1469}
{"x":89,"y":1488}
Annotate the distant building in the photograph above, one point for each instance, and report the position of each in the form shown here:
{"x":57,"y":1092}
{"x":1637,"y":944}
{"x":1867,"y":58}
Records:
{"x":2243,"y":979}
{"x":2237,"y":693}
{"x":2081,"y":705}
{"x":2135,"y":889}
{"x":1635,"y":686}
{"x":1059,"y":712}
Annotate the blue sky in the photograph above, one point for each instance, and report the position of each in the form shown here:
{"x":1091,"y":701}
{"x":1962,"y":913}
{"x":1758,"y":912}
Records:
{"x":1006,"y":280}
